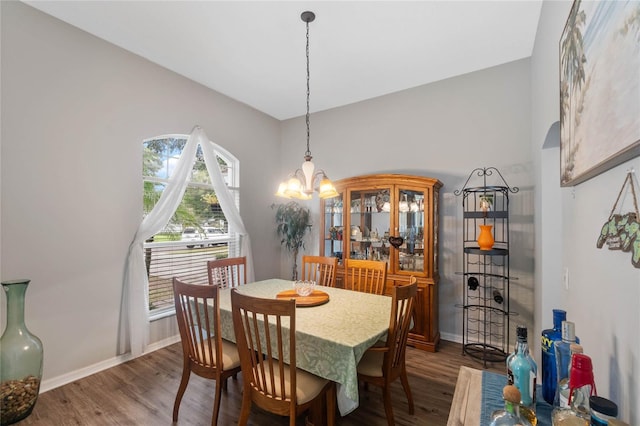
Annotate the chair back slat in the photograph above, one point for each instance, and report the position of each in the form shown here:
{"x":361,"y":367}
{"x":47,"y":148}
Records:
{"x":368,"y":276}
{"x":198,"y":317}
{"x":227,"y":273}
{"x":402,"y":310}
{"x":266,"y":349}
{"x":321,"y":269}
{"x":384,"y":363}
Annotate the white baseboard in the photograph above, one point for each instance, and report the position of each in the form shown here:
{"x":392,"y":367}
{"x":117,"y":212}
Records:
{"x":457,"y":338}
{"x":102,"y":365}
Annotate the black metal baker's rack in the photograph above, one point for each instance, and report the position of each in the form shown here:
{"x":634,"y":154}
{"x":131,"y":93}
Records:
{"x":486,"y":279}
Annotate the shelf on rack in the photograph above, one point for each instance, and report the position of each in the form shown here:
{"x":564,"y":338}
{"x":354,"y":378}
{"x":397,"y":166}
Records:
{"x":492,"y":252}
{"x":485,"y":274}
{"x":485,"y":215}
{"x":485,"y":352}
{"x":477,"y":307}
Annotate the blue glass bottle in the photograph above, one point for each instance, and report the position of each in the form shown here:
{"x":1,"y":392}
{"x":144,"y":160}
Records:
{"x":522,"y":371}
{"x":549,"y":337}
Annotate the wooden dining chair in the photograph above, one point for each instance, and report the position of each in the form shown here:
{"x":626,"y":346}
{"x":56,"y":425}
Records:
{"x":384,"y":363}
{"x":264,"y":346}
{"x":204,"y":351}
{"x":321,"y":269}
{"x":368,"y":276}
{"x":228,"y":272}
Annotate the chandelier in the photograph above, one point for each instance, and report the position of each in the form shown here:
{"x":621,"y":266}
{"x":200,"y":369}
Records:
{"x":302,"y":182}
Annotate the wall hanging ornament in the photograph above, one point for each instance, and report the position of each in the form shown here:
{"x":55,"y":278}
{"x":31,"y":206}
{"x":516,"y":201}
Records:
{"x":622,"y":231}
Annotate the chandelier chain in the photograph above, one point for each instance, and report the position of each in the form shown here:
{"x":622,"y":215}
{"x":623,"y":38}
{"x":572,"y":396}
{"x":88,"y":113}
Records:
{"x":308,"y":153}
{"x":305,"y":180}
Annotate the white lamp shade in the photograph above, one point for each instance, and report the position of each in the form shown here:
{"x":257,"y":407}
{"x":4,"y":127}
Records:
{"x":327,"y":190}
{"x":293,"y":187}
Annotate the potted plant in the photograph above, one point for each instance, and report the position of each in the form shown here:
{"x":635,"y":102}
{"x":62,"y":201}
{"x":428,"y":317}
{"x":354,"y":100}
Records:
{"x":293,"y":221}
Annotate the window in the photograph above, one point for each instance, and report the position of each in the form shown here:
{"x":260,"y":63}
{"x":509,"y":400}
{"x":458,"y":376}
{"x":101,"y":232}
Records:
{"x":198,"y":230}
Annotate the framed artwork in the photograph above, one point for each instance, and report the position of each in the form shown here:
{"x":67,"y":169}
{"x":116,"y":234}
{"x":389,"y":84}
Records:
{"x":599,"y":88}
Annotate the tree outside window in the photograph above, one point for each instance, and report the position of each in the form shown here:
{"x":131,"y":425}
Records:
{"x":198,"y":230}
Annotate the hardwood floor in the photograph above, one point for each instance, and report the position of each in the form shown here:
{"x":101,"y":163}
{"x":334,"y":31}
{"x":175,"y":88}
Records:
{"x":142,"y":391}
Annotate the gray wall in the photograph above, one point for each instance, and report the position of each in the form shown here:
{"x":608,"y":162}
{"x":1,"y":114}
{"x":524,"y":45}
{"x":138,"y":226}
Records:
{"x":603,"y":297}
{"x":75,"y":110}
{"x":443,"y":130}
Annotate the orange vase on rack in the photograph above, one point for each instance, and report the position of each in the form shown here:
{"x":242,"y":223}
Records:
{"x":485,"y":239}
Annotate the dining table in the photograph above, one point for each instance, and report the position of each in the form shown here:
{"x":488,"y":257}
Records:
{"x":331,"y":338}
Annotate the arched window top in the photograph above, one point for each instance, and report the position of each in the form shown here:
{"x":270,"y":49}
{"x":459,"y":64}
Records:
{"x":162,"y":152}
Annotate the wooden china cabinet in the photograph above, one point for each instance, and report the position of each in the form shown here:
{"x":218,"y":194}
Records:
{"x":393,"y":218}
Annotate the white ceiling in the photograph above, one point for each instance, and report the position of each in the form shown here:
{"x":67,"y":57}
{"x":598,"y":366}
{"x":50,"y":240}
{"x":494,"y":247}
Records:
{"x":254,"y":52}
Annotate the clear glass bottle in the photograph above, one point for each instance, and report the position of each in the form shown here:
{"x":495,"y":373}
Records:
{"x":564,"y":417}
{"x":563,"y":364}
{"x":548,"y":355}
{"x":510,"y":416}
{"x":582,"y":387}
{"x":522,"y":372}
{"x":20,"y":359}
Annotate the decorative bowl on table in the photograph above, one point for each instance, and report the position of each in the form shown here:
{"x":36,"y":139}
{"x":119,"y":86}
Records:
{"x":304,"y":287}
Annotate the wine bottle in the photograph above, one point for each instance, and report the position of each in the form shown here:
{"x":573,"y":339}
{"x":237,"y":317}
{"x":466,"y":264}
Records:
{"x":473,"y":283}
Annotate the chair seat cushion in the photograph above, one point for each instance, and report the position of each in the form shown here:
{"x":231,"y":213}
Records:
{"x":230,"y":356}
{"x":308,"y":385}
{"x":371,"y":364}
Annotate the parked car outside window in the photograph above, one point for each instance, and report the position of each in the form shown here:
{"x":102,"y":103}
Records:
{"x":215,"y":236}
{"x":192,"y":235}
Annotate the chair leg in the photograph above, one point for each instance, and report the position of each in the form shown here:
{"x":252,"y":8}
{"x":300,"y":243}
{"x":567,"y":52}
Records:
{"x":246,"y":407}
{"x":216,"y":404}
{"x":186,"y":373}
{"x":314,"y":414}
{"x":407,"y":390}
{"x":388,"y":408}
{"x":331,"y":404}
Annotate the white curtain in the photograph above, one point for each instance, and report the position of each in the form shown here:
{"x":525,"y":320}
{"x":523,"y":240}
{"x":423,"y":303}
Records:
{"x":134,"y":313}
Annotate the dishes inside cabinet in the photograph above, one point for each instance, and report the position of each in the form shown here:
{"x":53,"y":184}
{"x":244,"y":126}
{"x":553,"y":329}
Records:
{"x":382,"y":201}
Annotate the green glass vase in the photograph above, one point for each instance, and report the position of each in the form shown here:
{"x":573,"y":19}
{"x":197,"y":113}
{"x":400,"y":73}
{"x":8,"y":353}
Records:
{"x":20,"y":359}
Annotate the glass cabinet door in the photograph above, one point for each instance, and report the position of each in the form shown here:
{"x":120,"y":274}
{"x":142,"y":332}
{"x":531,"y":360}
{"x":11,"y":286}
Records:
{"x":333,"y":227}
{"x":369,"y":224}
{"x":411,"y":227}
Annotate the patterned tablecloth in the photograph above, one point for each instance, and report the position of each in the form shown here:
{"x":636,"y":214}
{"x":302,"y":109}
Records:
{"x":330,"y":338}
